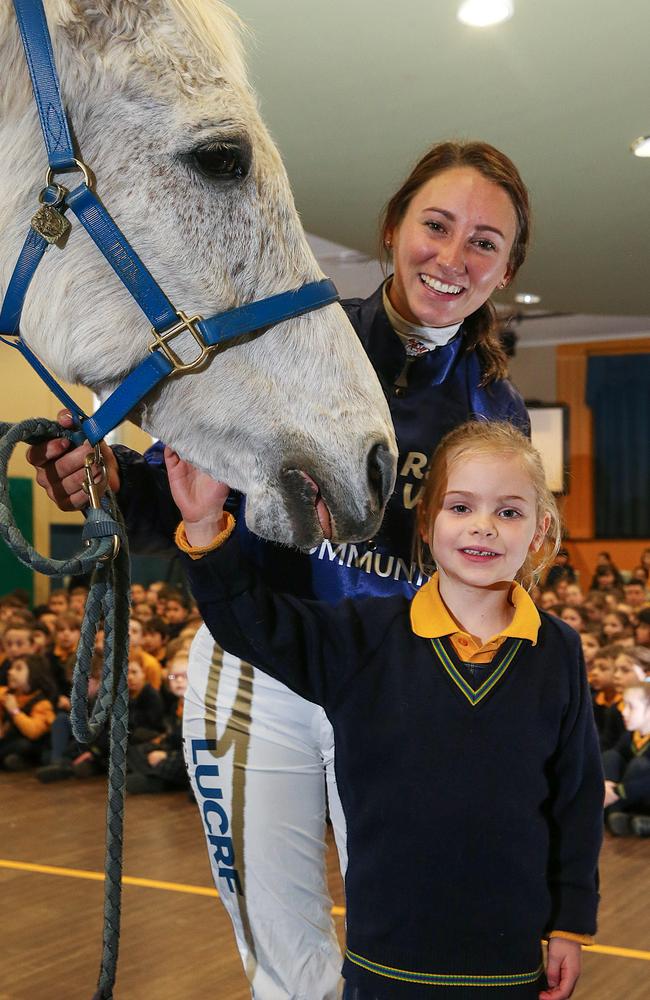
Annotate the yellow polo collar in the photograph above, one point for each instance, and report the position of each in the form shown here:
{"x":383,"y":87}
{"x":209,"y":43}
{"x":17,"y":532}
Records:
{"x":431,"y":619}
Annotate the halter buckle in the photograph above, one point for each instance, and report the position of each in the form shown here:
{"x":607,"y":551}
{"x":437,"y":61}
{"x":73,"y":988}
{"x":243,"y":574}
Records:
{"x":95,"y":489}
{"x":161,"y":342}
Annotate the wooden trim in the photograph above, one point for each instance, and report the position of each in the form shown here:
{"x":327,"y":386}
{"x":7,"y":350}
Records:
{"x":571,"y":365}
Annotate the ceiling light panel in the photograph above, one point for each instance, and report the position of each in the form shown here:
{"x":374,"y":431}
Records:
{"x":483,"y":13}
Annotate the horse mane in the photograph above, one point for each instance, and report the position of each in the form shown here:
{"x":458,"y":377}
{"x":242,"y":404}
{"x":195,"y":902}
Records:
{"x":219,"y":26}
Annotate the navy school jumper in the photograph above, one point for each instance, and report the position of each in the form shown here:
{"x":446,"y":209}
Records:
{"x":472,"y":829}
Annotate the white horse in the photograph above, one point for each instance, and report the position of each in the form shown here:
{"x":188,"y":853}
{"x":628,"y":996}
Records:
{"x":161,"y":110}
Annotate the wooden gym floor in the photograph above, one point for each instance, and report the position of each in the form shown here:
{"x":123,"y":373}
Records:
{"x":176,"y":941}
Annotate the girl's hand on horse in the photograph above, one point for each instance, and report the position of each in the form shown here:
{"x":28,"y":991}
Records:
{"x":199,"y":498}
{"x":60,"y":468}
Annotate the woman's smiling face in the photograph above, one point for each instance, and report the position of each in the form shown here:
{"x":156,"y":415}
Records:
{"x":451,"y":248}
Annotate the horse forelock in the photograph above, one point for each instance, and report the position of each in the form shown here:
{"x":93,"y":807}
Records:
{"x":188,"y":45}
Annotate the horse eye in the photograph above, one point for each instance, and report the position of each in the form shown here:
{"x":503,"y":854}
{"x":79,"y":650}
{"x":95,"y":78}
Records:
{"x":224,"y":161}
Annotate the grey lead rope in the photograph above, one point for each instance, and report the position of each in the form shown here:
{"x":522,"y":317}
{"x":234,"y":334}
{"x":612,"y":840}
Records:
{"x":108,"y":600}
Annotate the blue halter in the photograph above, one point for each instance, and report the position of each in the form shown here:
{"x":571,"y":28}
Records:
{"x":50,"y":224}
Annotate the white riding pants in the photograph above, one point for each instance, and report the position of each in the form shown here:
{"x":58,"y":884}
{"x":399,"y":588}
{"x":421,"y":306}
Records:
{"x":260,"y":759}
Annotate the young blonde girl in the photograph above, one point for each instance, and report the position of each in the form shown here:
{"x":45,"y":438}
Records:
{"x":466,"y":755}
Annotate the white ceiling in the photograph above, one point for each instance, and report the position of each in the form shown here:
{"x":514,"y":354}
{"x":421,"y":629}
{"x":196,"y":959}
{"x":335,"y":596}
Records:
{"x":355,"y":90}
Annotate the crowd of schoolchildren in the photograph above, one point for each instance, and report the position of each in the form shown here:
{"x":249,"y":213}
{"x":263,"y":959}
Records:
{"x":38,"y":650}
{"x":612,"y":616}
{"x":37,"y":656}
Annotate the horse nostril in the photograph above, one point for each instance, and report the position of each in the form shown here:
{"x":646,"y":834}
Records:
{"x":381,"y":472}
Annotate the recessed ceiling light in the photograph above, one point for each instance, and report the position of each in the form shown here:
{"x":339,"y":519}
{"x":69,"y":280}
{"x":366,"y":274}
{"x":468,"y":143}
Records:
{"x":641,"y":146}
{"x":527,"y":298}
{"x":482,"y":13}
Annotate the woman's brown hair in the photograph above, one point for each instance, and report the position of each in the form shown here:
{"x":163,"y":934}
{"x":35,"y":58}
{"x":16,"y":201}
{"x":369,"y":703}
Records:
{"x":481,"y":327}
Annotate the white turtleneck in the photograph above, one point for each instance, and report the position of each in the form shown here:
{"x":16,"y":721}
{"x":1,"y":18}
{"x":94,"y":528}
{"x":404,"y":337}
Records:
{"x":417,"y":339}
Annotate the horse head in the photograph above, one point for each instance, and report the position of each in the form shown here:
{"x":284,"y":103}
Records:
{"x":161,"y":109}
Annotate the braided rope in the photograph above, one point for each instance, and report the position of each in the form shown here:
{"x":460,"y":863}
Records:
{"x":108,"y":600}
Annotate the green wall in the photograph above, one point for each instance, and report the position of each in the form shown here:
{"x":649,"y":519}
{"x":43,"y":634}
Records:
{"x":12,"y":573}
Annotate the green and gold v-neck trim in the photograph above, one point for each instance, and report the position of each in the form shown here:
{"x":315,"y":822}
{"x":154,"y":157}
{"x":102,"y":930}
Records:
{"x":504,"y":658}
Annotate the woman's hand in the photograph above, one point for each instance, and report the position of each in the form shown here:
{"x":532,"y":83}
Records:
{"x":563,"y":967}
{"x":60,"y":467}
{"x":154,"y":757}
{"x":199,"y":498}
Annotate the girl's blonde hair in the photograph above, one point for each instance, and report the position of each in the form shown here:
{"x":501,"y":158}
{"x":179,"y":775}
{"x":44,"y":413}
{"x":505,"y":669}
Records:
{"x":502,"y":440}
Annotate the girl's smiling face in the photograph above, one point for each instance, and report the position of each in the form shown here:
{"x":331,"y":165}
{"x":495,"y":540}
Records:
{"x":451,"y":248}
{"x":488,"y":521}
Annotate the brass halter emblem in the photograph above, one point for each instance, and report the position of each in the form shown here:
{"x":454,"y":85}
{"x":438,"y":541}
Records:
{"x":49,"y":222}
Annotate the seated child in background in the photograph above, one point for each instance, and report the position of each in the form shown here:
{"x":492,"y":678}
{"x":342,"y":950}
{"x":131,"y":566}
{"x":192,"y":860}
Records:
{"x":67,"y":632}
{"x":635,"y":594}
{"x":630,"y":668}
{"x":590,"y":642}
{"x":11,"y":605}
{"x":466,"y":754}
{"x":595,"y":607}
{"x":615,"y":626}
{"x":156,"y":596}
{"x":145,"y":722}
{"x":573,"y":595}
{"x":59,"y":602}
{"x":573,"y":616}
{"x":138,"y":594}
{"x":642,"y":630}
{"x":177,"y":611}
{"x":641,"y":573}
{"x":77,"y":597}
{"x":547,"y":599}
{"x":154,"y":639}
{"x":26,"y":712}
{"x":627,"y":768}
{"x":142,"y":611}
{"x":606,"y":575}
{"x":560,"y":570}
{"x":151,"y":665}
{"x":605,"y":695}
{"x":159,"y":766}
{"x":17,"y":641}
{"x":146,"y":712}
{"x":65,"y":754}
